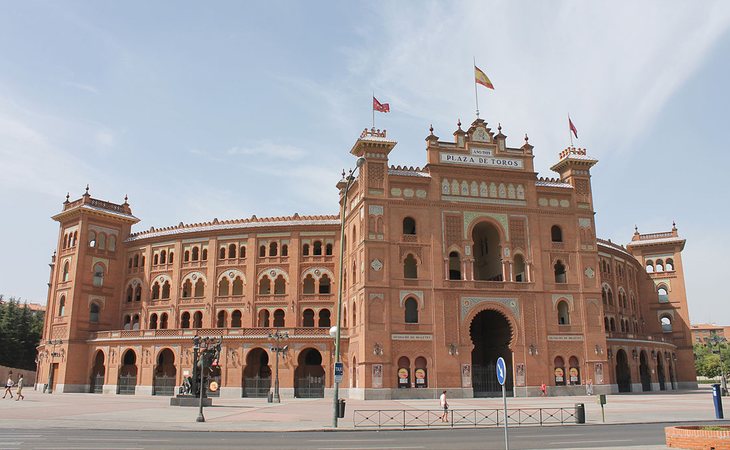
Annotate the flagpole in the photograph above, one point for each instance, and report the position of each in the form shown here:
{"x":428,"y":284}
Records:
{"x":372,"y":105}
{"x":570,"y":132}
{"x":476,"y":94}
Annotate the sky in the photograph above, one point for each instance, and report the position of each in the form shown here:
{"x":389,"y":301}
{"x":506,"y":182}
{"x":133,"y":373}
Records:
{"x":200,"y":110}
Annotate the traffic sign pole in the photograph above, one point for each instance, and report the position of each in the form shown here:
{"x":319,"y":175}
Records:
{"x":501,"y":378}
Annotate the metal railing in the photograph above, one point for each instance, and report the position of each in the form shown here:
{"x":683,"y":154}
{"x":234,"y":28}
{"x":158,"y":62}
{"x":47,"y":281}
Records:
{"x":475,"y":418}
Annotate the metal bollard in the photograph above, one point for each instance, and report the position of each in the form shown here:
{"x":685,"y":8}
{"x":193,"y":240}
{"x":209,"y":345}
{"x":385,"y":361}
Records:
{"x":717,"y":399}
{"x":580,"y":413}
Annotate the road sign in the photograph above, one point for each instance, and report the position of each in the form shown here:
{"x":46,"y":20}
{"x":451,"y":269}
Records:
{"x":339,"y":370}
{"x":501,"y":371}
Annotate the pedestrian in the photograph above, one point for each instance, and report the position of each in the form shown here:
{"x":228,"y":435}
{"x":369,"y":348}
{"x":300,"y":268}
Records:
{"x":19,"y":392}
{"x":543,"y":390}
{"x":445,"y":406}
{"x":589,"y":387}
{"x":9,"y":385}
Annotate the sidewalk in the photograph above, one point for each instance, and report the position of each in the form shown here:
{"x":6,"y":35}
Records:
{"x":120,"y":412}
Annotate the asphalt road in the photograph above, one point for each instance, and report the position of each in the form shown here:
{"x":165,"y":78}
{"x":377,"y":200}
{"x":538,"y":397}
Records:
{"x":552,"y":437}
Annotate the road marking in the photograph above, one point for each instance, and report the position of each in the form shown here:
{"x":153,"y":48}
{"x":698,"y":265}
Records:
{"x":593,"y":442}
{"x":366,"y":448}
{"x":117,"y":439}
{"x":350,"y":440}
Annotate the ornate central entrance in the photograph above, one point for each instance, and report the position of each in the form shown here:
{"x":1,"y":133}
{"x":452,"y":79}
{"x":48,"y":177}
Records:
{"x":490,"y":333}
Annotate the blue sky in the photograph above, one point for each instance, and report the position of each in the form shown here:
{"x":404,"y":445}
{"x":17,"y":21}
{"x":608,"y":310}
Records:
{"x":228,"y":109}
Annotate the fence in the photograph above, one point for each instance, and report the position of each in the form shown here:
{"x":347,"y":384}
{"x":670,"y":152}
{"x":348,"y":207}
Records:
{"x":427,"y":418}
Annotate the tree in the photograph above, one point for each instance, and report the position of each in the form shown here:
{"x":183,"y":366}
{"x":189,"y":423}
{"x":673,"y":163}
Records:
{"x":20,"y":333}
{"x":708,"y":359}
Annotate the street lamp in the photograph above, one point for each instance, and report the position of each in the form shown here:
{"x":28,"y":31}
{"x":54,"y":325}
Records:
{"x":349,"y":181}
{"x":207,"y":350}
{"x":53,"y":354}
{"x":278,"y":336}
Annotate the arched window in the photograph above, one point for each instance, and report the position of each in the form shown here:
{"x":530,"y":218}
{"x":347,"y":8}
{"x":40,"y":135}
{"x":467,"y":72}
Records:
{"x":187,"y":290}
{"x":94,"y":312}
{"x":273,"y":249}
{"x":659,"y":265}
{"x":411,"y":310}
{"x":138,"y":293}
{"x":574,"y":370}
{"x":420,"y":374}
{"x":92,"y":239}
{"x":308,"y":318}
{"x":195,"y":252}
{"x":264,"y":318}
{"x":135,"y":322}
{"x":199,"y":288}
{"x":186,"y":256}
{"x":155,"y":259}
{"x":328,"y":249}
{"x":73,"y":241}
{"x":65,"y":271}
{"x":129,"y":266}
{"x":649,"y":266}
{"x":560,"y":272}
{"x":153,"y":321}
{"x":610,"y":296}
{"x":232,"y":251}
{"x":238,"y":286}
{"x":454,"y":266}
{"x":317,"y":248}
{"x":279,"y":285}
{"x":136,"y":260}
{"x":324,"y":318}
{"x":612,"y":322}
{"x":404,"y":372}
{"x":279,"y":318}
{"x":127,"y":322}
{"x":243,"y":251}
{"x":156,"y":291}
{"x":262,"y":251}
{"x":563,"y":313}
{"x":670,"y":265}
{"x":236,"y":319}
{"x":265,"y":286}
{"x":324,"y":284}
{"x":666,"y":322}
{"x":130,"y":294}
{"x":663,"y":294}
{"x":98,"y":275}
{"x":409,"y":226}
{"x":519,"y":269}
{"x":410,"y":267}
{"x":101,"y":241}
{"x":556,"y":234}
{"x":623,"y":326}
{"x":284,"y":250}
{"x":62,"y":305}
{"x":65,"y":241}
{"x":198,"y":319}
{"x":605,"y":324}
{"x":221,"y":321}
{"x":559,"y":371}
{"x":205,"y":255}
{"x":354,"y":314}
{"x":305,"y":250}
{"x":308,"y":287}
{"x":141,"y":263}
{"x":172,"y":257}
{"x":166,"y":289}
{"x":163,"y":257}
{"x":112,"y":243}
{"x":222,"y":253}
{"x":185,"y":320}
{"x":163,"y":321}
{"x":223,"y":287}
{"x":487,"y":252}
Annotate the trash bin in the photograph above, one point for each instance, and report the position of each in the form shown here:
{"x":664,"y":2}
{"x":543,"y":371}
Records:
{"x":341,"y":408}
{"x":580,"y":413}
{"x":270,"y":397}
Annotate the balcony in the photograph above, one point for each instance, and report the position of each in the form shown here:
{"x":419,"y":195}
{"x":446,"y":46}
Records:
{"x":249,"y":333}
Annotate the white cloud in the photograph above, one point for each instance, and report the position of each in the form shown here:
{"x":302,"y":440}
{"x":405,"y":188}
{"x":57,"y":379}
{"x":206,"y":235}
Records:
{"x":267,"y":148}
{"x":83,"y":87}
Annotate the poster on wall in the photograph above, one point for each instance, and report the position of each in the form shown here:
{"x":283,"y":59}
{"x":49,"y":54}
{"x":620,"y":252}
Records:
{"x":421,"y":378}
{"x":403,"y":378}
{"x":574,"y":375}
{"x":377,"y":375}
{"x":559,"y":376}
{"x":520,"y":378}
{"x":599,"y":373}
{"x":466,"y":375}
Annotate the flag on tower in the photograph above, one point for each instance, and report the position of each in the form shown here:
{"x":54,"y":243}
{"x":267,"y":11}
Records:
{"x":380,"y":107}
{"x":482,"y":78}
{"x":572,"y":127}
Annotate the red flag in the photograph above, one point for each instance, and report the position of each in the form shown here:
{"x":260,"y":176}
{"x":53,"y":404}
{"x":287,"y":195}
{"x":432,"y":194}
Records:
{"x":380,"y":107}
{"x":572,"y":127}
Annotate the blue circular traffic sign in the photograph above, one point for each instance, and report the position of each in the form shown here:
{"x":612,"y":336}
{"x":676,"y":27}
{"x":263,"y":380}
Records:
{"x":501,"y":370}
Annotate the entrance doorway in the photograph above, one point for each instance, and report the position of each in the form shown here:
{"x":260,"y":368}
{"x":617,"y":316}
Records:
{"x":97,"y":374}
{"x":257,"y":374}
{"x":309,"y":375}
{"x":644,"y":372}
{"x":491,"y":334}
{"x":163,"y":382}
{"x":623,"y":372}
{"x":128,"y":374}
{"x":660,"y":372}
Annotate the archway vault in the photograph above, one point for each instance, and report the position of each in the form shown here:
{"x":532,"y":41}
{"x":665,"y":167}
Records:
{"x":492,"y":335}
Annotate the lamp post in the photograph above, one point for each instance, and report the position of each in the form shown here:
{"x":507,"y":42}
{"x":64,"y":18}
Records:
{"x":349,"y":181}
{"x":200,"y":363}
{"x":53,"y":354}
{"x":278,"y":336}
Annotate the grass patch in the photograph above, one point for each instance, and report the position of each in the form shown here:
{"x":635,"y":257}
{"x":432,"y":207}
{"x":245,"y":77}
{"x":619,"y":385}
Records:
{"x":714,"y":428}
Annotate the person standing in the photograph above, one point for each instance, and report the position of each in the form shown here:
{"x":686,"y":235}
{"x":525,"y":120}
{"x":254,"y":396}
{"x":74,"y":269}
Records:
{"x":19,"y":392}
{"x":9,"y":385}
{"x":589,"y":387}
{"x":445,"y":407}
{"x":543,"y":390}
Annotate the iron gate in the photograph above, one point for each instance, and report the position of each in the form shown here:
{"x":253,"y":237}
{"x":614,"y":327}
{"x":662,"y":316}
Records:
{"x":309,"y":387}
{"x":127,"y":384}
{"x":163,"y":385}
{"x":484,"y":381}
{"x":256,"y":387}
{"x":97,"y":384}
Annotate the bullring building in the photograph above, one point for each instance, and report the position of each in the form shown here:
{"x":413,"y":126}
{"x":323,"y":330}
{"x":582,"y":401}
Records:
{"x":446,"y":267}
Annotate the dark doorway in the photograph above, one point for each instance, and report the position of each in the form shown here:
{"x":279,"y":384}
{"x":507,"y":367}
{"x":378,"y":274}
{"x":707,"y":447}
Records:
{"x":163,"y":382}
{"x":644,"y":372}
{"x":490,"y":333}
{"x":128,"y":374}
{"x":487,"y":253}
{"x":309,"y":375}
{"x":257,"y":374}
{"x":660,"y":372}
{"x":623,"y":372}
{"x":97,"y":374}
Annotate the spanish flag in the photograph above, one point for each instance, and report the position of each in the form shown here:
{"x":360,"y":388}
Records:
{"x":482,"y":78}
